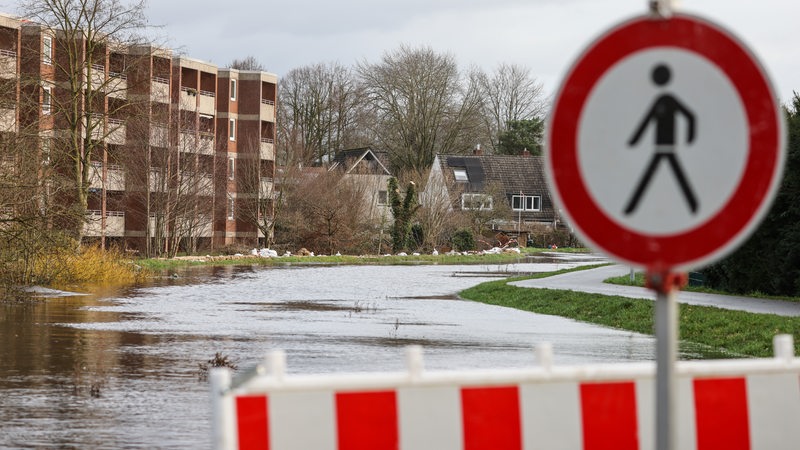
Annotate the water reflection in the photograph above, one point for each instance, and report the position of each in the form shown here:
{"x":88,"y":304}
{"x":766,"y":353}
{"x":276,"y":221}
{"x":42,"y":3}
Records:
{"x":120,"y":369}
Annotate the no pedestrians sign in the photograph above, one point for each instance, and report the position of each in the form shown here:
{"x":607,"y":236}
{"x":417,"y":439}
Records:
{"x":665,"y":144}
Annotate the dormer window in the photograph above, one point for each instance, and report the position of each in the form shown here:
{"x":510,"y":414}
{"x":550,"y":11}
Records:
{"x":460,"y":174}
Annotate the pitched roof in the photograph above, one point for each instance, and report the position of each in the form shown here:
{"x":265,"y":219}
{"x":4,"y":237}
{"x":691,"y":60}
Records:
{"x":364,"y":157}
{"x":514,"y":175}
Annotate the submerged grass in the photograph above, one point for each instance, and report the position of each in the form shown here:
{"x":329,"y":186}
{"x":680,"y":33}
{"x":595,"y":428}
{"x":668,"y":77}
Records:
{"x":727,"y":331}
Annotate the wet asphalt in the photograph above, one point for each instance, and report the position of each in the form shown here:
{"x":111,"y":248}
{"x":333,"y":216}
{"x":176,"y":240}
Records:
{"x":591,"y":281}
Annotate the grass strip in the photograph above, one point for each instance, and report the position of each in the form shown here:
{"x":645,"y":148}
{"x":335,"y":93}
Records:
{"x":734,"y":333}
{"x":156,"y":264}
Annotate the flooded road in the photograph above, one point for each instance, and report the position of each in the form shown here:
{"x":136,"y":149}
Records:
{"x":120,"y":369}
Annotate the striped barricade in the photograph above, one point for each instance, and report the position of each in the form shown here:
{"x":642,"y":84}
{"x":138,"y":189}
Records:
{"x":721,"y":405}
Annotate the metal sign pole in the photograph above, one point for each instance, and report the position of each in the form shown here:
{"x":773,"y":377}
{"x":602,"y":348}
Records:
{"x":666,"y":322}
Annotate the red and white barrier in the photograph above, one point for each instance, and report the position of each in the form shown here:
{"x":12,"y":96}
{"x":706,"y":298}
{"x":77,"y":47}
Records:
{"x":722,"y":405}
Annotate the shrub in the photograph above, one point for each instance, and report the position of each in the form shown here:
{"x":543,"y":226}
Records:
{"x":463,"y":240}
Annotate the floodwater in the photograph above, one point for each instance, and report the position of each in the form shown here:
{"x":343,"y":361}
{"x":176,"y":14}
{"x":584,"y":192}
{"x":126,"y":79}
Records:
{"x":121,"y":369}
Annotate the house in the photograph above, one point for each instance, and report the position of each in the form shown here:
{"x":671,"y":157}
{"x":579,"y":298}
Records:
{"x":480,"y":182}
{"x":365,"y":168}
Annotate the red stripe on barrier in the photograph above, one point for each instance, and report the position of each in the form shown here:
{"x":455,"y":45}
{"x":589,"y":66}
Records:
{"x":251,"y":421}
{"x":721,"y":414}
{"x":491,"y":418}
{"x":367,"y":420}
{"x":608,"y":412}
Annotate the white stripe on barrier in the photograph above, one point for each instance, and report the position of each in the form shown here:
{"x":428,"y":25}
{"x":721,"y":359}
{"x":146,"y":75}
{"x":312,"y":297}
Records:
{"x":302,"y":420}
{"x":551,"y":416}
{"x":751,"y":404}
{"x":774,"y":409}
{"x":430,"y":418}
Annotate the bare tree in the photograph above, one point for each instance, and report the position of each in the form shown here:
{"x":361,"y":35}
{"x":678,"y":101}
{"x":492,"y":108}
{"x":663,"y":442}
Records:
{"x":421,"y":105}
{"x":509,"y":94}
{"x":247,"y":63}
{"x":85,"y":31}
{"x":325,"y":214}
{"x":318,"y":110}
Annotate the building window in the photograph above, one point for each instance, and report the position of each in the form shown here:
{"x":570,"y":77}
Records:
{"x":526,"y":203}
{"x":47,"y":50}
{"x":460,"y":174}
{"x":232,"y":130}
{"x":231,"y":205}
{"x":383,"y":198}
{"x":476,"y":202}
{"x":47,"y":98}
{"x":233,"y":89}
{"x":231,"y":168}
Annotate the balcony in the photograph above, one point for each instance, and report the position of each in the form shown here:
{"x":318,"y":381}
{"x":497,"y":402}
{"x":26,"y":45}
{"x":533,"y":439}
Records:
{"x":159,"y":90}
{"x":8,"y":64}
{"x":157,"y":181}
{"x":266,"y":188}
{"x":197,"y":225}
{"x":208,"y":103}
{"x":114,"y":226}
{"x":206,"y":146}
{"x":115,"y":177}
{"x":196,"y":184}
{"x":267,"y":110}
{"x":8,"y":119}
{"x":116,"y":132}
{"x":97,"y":74}
{"x":188,"y":99}
{"x":159,"y":136}
{"x":117,"y":86}
{"x":187,"y":142}
{"x":267,"y":149}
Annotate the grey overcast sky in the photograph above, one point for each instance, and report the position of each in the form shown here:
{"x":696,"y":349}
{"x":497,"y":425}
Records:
{"x":542,"y":35}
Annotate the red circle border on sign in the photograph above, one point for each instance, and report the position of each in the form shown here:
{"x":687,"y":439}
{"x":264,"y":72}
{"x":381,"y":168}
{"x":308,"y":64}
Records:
{"x":750,"y":200}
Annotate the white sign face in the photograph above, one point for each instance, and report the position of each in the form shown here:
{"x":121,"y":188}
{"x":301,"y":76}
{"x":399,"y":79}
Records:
{"x":683,"y":190}
{"x":665,"y":144}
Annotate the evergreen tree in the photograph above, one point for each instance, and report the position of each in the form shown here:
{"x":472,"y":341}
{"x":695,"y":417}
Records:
{"x":769,"y":262}
{"x":403,"y":211}
{"x":521,"y":135}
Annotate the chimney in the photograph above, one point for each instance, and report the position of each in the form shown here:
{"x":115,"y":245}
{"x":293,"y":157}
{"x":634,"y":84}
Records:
{"x":526,"y":153}
{"x":477,"y":151}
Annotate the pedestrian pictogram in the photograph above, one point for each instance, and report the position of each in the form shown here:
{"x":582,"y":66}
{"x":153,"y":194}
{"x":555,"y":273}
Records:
{"x":665,"y":143}
{"x":663,"y":113}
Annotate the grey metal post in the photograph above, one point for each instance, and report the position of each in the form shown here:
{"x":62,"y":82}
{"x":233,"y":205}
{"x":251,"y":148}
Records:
{"x":666,"y":323}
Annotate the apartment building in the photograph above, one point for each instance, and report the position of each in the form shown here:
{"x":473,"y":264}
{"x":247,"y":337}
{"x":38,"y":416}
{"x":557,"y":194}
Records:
{"x":182,"y":151}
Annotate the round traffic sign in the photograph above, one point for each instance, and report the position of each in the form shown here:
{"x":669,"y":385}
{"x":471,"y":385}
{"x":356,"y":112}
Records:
{"x":665,"y":144}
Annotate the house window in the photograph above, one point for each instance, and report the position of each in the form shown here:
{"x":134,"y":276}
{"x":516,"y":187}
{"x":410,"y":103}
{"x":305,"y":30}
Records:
{"x":383,"y":198}
{"x":526,"y":203}
{"x":47,"y":50}
{"x":232,"y":130}
{"x":476,"y":202}
{"x":231,"y":205}
{"x":47,"y":98}
{"x":231,"y":168}
{"x":460,"y":174}
{"x":233,"y":89}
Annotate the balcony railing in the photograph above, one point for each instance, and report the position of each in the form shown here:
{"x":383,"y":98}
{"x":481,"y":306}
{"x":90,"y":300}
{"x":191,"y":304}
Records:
{"x":207,"y":103}
{"x":267,"y":149}
{"x":267,"y":110}
{"x":115,"y":223}
{"x":159,"y":90}
{"x":8,"y":64}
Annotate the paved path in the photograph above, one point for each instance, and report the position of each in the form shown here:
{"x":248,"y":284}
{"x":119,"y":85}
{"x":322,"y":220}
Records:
{"x":592,"y":281}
